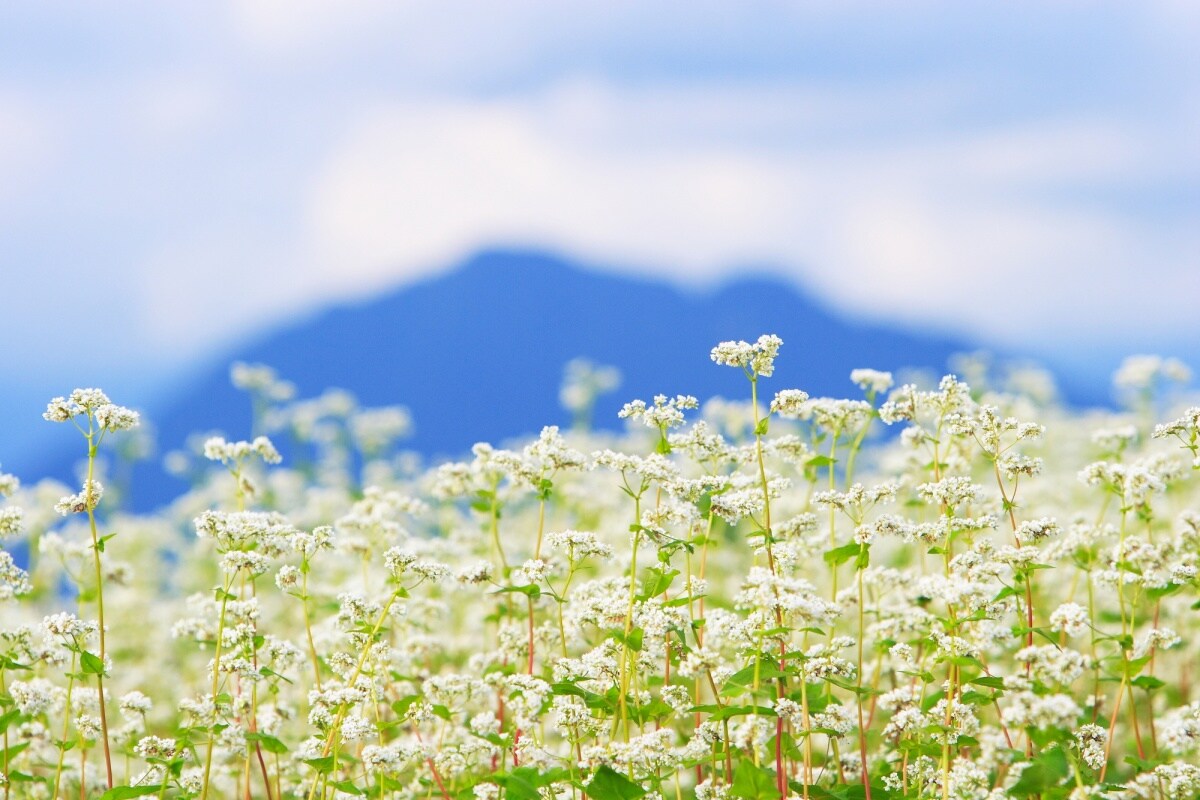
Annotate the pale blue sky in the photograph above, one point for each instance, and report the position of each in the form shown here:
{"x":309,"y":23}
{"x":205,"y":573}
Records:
{"x":174,"y":175}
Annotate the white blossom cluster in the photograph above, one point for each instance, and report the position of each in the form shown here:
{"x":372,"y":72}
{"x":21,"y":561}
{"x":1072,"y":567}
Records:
{"x":955,"y":590}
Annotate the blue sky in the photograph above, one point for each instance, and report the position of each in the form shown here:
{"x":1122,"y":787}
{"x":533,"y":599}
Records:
{"x":173,"y":176}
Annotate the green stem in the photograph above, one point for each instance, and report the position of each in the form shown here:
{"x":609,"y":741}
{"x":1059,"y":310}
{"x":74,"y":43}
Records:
{"x":216,"y":676}
{"x":91,"y":512}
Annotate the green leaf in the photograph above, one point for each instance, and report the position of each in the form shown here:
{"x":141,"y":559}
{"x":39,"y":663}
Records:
{"x":657,"y":582}
{"x":863,"y":560}
{"x":632,"y":640}
{"x":608,"y":784}
{"x":752,"y":782}
{"x":521,"y":784}
{"x":989,"y":682}
{"x":820,"y":461}
{"x":530,"y":590}
{"x":123,"y":792}
{"x":270,"y":673}
{"x":767,"y":670}
{"x":1046,"y":771}
{"x":322,"y":765}
{"x":1156,"y":592}
{"x":761,"y":428}
{"x":13,"y":750}
{"x":1148,"y":682}
{"x":348,"y":787}
{"x":92,"y":664}
{"x":976,"y":698}
{"x":718,"y":713}
{"x":267,"y":742}
{"x":401,"y":706}
{"x":840,"y":555}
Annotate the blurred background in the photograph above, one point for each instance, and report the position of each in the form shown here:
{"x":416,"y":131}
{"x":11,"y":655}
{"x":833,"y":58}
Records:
{"x":439,"y":204}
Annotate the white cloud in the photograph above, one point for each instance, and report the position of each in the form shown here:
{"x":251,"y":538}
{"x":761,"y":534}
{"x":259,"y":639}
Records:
{"x":953,"y":229}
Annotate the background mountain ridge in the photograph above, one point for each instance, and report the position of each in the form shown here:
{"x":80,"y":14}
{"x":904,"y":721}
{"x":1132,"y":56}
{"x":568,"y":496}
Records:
{"x":477,"y":352}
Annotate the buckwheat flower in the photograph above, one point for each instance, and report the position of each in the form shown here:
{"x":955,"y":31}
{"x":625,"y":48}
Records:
{"x":834,"y":414}
{"x":1181,"y":780}
{"x":891,"y":525}
{"x":11,"y":520}
{"x":951,"y":492}
{"x":260,"y":379}
{"x":308,"y":544}
{"x":796,"y":526}
{"x":14,"y":581}
{"x":905,"y":722}
{"x":1053,"y":665}
{"x":398,"y":560}
{"x":834,"y":719}
{"x":902,"y":654}
{"x":789,"y":403}
{"x":953,"y":647}
{"x":665,"y":413}
{"x":734,"y":505}
{"x":1183,"y":574}
{"x":374,"y":429}
{"x":962,"y":721}
{"x":486,"y":791}
{"x":479,"y":572}
{"x":701,"y":442}
{"x":288,"y":578}
{"x":112,"y":417}
{"x":1090,"y":741}
{"x":551,"y":452}
{"x":857,"y":499}
{"x":155,"y":747}
{"x":35,"y":696}
{"x":88,"y":726}
{"x":707,"y":790}
{"x":430,"y":570}
{"x":1180,"y":729}
{"x":1156,"y":638}
{"x":756,"y":359}
{"x":1143,"y":371}
{"x":9,"y":484}
{"x":253,"y":563}
{"x":355,"y":727}
{"x":1037,"y":529}
{"x":1024,"y":708}
{"x":578,"y":544}
{"x":1015,"y":465}
{"x":81,"y":401}
{"x":1070,"y":618}
{"x":1115,"y":439}
{"x":85,"y":500}
{"x":383,"y":758}
{"x":1184,"y":428}
{"x":67,"y":626}
{"x":135,"y":705}
{"x":532,"y":571}
{"x":901,"y":405}
{"x":871,"y":380}
{"x":232,"y":453}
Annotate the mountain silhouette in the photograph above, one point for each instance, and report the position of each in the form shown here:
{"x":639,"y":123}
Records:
{"x":477,"y":353}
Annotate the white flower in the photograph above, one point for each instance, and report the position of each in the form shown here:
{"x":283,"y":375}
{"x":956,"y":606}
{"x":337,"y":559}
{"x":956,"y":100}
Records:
{"x":757,"y":359}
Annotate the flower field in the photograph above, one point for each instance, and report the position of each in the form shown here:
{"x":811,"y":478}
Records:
{"x":960,"y":590}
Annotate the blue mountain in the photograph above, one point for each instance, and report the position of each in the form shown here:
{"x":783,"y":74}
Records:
{"x":477,"y":353}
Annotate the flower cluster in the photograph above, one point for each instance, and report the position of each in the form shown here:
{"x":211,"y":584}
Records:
{"x":929,"y":591}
